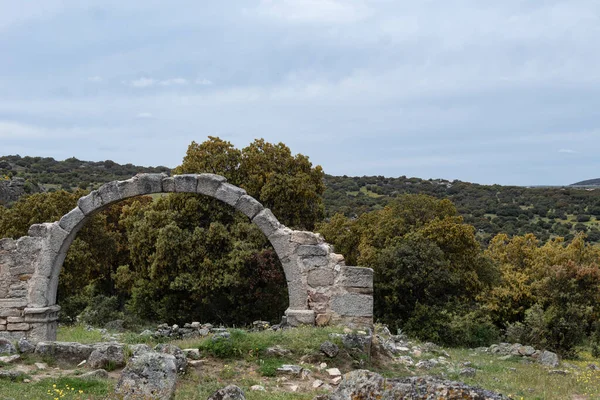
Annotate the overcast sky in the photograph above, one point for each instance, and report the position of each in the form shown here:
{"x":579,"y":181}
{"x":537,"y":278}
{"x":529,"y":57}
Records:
{"x":478,"y":90}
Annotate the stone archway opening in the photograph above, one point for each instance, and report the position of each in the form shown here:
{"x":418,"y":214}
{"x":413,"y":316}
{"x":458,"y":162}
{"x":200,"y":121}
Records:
{"x":322,"y":290}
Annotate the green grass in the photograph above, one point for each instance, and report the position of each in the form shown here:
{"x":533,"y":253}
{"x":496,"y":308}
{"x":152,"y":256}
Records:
{"x":77,"y":333}
{"x":92,"y":389}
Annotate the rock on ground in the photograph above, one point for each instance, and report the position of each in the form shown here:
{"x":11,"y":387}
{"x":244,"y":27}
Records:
{"x":548,"y":358}
{"x":329,"y":349}
{"x":6,"y":347}
{"x":107,"y":355}
{"x":65,"y":351}
{"x":230,"y":392}
{"x":367,"y":385}
{"x":149,"y":376}
{"x":25,"y":346}
{"x":180,"y":358}
{"x":97,"y":374}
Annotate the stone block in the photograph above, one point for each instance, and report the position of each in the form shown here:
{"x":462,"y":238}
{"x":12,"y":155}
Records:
{"x":303,"y":237}
{"x":229,"y":193}
{"x":8,"y":244}
{"x":168,"y":184}
{"x":298,"y":295}
{"x":323,"y":319}
{"x":11,"y":312}
{"x":353,"y":305}
{"x":17,"y":327}
{"x":149,"y":183}
{"x":14,"y":320}
{"x":109,"y":193}
{"x":11,"y":303}
{"x":209,"y":183}
{"x":313,"y":250}
{"x":3,"y":321}
{"x":297,"y":317}
{"x":39,"y":230}
{"x":2,"y":327}
{"x":280,"y":239}
{"x":186,"y":183}
{"x":266,"y":222}
{"x":249,"y":206}
{"x":356,"y":277}
{"x":314,"y":262}
{"x":55,"y":238}
{"x":72,"y":219}
{"x":90,"y":203}
{"x":320,"y":277}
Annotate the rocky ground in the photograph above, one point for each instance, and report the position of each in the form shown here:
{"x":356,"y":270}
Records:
{"x":196,"y":360}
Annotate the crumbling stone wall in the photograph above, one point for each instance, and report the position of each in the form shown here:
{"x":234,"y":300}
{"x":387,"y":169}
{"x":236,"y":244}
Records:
{"x":322,"y":289}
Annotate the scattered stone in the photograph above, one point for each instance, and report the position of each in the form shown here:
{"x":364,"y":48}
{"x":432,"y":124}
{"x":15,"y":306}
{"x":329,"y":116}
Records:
{"x":151,"y":375}
{"x":11,"y":374}
{"x":146,"y":332}
{"x":192,"y":354}
{"x":317,"y":383}
{"x":363,"y":384}
{"x":97,"y":374}
{"x":221,"y":336}
{"x":258,"y":326}
{"x":406,"y":360}
{"x":333,"y":372}
{"x":25,"y":347}
{"x":41,"y":366}
{"x":330,"y":349}
{"x":468,"y":372}
{"x":10,"y":359}
{"x":290,"y":369}
{"x":526,"y":351}
{"x":81,"y":364}
{"x":70,"y":352}
{"x":593,"y":367}
{"x":558,"y":372}
{"x":230,"y":392}
{"x":548,"y":358}
{"x":195,"y":363}
{"x":293,"y":388}
{"x":6,"y":347}
{"x":427,"y":364}
{"x":180,"y":359}
{"x":26,"y":380}
{"x":258,"y":388}
{"x":336,"y":381}
{"x":505,"y":358}
{"x":107,"y":356}
{"x":277,"y":351}
{"x":323,"y":365}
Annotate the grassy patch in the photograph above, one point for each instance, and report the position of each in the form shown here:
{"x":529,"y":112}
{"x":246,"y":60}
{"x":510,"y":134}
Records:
{"x":77,"y":333}
{"x":47,"y":388}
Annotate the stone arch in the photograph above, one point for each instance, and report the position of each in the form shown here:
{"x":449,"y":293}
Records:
{"x":321,"y":288}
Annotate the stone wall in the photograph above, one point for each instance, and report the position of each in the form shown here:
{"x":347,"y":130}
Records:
{"x":322,"y":289}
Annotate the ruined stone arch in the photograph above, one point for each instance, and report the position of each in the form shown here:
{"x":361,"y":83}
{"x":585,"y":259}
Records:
{"x":321,"y":288}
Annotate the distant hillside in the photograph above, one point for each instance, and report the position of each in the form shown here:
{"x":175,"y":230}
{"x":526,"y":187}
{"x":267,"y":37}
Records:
{"x":589,"y":182}
{"x":491,"y":209}
{"x":22,"y":175}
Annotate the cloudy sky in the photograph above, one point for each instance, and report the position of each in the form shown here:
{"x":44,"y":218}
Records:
{"x":484,"y":91}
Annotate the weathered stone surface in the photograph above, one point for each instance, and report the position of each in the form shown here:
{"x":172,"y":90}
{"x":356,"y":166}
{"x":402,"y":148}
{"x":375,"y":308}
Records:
{"x":6,"y":347}
{"x":289,"y":369}
{"x":230,"y":392}
{"x":139,"y":349}
{"x":168,"y":184}
{"x":90,"y":203}
{"x":70,"y":352}
{"x":548,"y":358}
{"x":352,"y":304}
{"x":312,"y":250}
{"x":300,"y":317}
{"x":322,"y":319}
{"x":109,"y":193}
{"x":367,"y":385}
{"x":356,"y":277}
{"x":180,"y":359}
{"x":314,"y":262}
{"x":209,"y":183}
{"x":277,"y":351}
{"x":107,"y":355}
{"x":229,"y":193}
{"x":150,"y":376}
{"x":97,"y":374}
{"x":17,"y":327}
{"x":303,"y":237}
{"x":329,"y":349}
{"x":187,"y":183}
{"x":266,"y":222}
{"x":72,"y":219}
{"x":280,"y":239}
{"x":25,"y":346}
{"x":249,"y":206}
{"x":320,"y":277}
